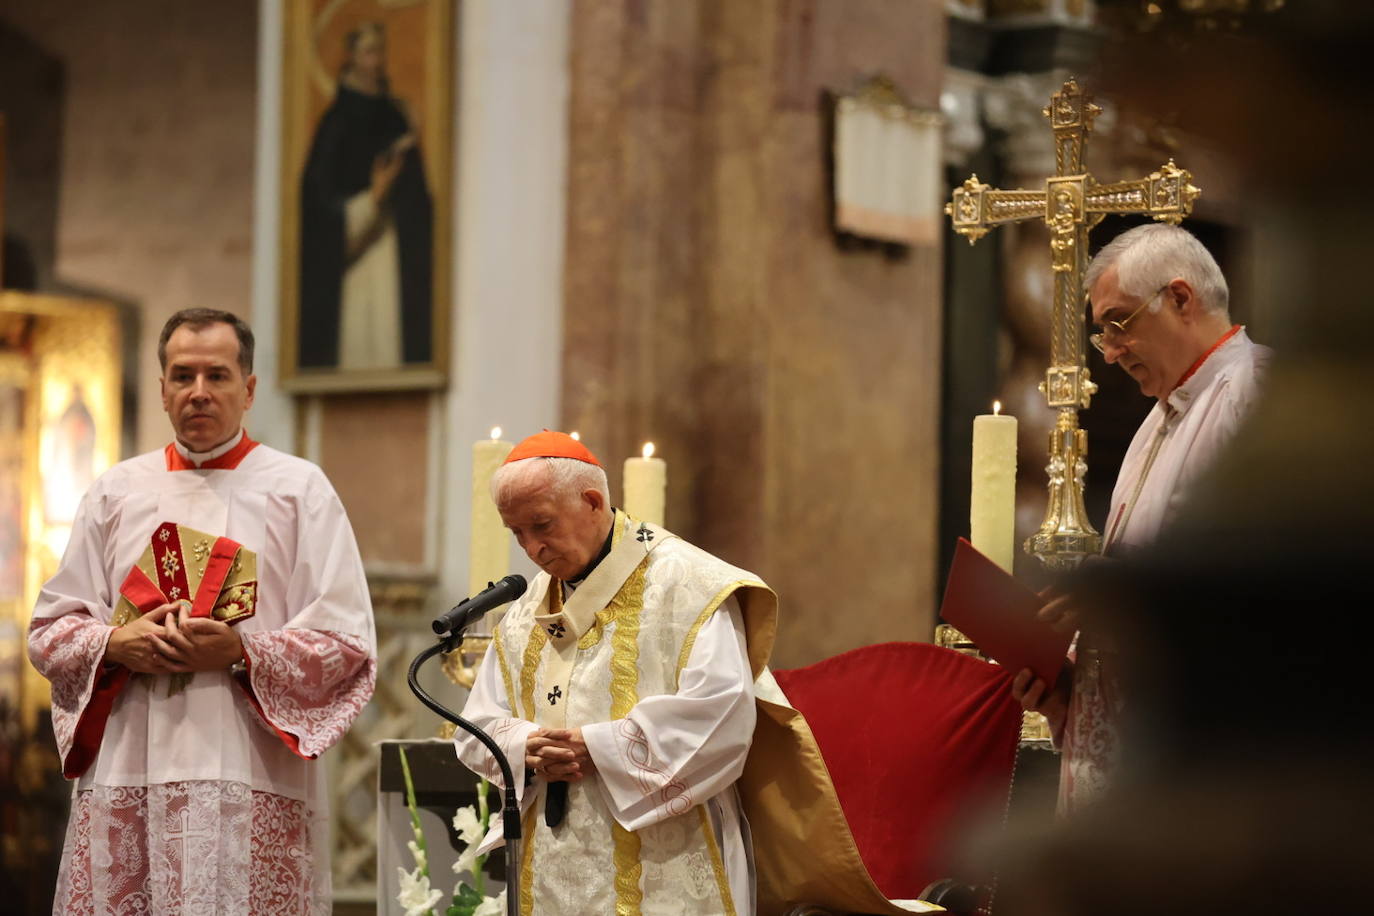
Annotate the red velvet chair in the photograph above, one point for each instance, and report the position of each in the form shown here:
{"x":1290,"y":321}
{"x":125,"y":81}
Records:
{"x":915,"y":739}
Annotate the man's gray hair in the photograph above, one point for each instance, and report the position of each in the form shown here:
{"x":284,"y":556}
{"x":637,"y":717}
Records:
{"x":567,"y":477}
{"x":1149,"y":256}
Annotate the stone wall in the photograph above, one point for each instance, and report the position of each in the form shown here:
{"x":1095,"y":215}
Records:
{"x":792,"y":383}
{"x":154,"y":160}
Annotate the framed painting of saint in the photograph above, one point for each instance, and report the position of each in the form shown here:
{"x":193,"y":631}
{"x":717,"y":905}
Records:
{"x":366,"y":221}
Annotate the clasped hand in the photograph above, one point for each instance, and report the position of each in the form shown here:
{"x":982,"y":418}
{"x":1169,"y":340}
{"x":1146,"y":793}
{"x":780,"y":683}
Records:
{"x":1051,"y":701}
{"x":558,"y":755}
{"x":168,"y":640}
{"x":1062,"y":612}
{"x":386,"y":166}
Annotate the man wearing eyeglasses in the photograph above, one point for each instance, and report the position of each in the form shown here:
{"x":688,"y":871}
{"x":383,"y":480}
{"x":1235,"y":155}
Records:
{"x":1159,"y":304}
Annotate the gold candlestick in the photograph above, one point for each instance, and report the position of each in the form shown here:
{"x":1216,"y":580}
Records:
{"x":461,"y":664}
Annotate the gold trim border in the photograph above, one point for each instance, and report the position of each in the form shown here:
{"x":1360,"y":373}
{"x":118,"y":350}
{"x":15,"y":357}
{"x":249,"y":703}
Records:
{"x":629,"y":898}
{"x":717,"y":864}
{"x":625,"y":643}
{"x":711,"y":607}
{"x":527,"y":830}
{"x":439,"y":49}
{"x":629,"y":604}
{"x":530,"y":667}
{"x":499,"y":647}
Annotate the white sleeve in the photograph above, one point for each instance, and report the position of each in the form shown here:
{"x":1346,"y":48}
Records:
{"x":81,"y":583}
{"x":488,"y":708}
{"x":67,"y":641}
{"x":675,"y":751}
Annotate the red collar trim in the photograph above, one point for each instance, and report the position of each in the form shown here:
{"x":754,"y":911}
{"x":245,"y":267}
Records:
{"x":1203,"y":358}
{"x":226,"y":462}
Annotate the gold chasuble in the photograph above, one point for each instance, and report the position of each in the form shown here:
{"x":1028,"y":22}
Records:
{"x":623,"y":635}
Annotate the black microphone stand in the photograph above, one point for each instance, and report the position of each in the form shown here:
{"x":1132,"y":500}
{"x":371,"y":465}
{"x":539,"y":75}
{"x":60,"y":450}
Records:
{"x":510,"y":810}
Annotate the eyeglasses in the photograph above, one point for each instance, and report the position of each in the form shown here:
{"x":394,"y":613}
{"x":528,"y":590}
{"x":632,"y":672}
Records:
{"x":1116,"y":330}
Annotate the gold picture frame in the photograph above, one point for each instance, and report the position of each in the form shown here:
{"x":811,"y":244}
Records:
{"x":61,"y":372}
{"x":366,"y":215}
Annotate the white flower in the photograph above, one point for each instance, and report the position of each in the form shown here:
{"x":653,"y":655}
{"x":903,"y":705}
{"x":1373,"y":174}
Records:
{"x":467,"y":860}
{"x":466,"y":823}
{"x":491,"y":906}
{"x":416,"y":895}
{"x":421,"y":862}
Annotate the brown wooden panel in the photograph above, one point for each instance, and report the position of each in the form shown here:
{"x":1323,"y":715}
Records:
{"x":375,"y":449}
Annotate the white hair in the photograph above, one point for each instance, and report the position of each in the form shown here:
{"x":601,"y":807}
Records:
{"x":566,"y":477}
{"x":1147,"y":257}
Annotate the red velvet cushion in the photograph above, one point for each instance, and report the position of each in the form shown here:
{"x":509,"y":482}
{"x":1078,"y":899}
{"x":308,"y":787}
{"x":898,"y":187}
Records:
{"x":915,"y":737}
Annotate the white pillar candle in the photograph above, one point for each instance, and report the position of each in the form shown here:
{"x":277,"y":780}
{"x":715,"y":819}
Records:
{"x":646,"y":486}
{"x":489,"y":547}
{"x":992,"y":503}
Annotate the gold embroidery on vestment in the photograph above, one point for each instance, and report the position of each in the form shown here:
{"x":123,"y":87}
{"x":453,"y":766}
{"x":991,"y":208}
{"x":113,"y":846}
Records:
{"x":627,"y":607}
{"x":628,"y":871}
{"x":500,"y":648}
{"x":235,"y":601}
{"x":717,"y":864}
{"x":533,"y":648}
{"x":597,"y":629}
{"x":124,"y":612}
{"x":527,"y":864}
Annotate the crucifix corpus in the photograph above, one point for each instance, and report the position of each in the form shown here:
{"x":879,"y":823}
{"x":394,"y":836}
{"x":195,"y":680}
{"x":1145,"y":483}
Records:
{"x":1071,"y":203}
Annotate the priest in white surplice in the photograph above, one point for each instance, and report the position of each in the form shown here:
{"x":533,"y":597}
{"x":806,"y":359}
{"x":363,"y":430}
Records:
{"x":620,"y":687}
{"x":192,"y":742}
{"x":1161,"y":303}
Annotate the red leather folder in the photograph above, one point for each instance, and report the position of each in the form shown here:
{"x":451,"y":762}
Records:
{"x":997,"y":612}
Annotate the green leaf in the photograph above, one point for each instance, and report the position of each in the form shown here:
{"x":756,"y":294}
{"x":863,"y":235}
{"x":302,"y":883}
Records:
{"x":465,"y":900}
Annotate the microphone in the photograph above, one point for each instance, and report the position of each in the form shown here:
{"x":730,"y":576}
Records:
{"x":468,"y":610}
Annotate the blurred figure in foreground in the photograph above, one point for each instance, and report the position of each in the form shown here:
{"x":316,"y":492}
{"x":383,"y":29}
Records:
{"x":1160,"y":308}
{"x":1244,"y":785}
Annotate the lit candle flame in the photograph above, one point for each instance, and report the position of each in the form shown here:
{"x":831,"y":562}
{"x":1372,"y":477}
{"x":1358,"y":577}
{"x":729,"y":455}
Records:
{"x":996,"y":408}
{"x":576,"y":436}
{"x":495,"y":433}
{"x":648,"y":451}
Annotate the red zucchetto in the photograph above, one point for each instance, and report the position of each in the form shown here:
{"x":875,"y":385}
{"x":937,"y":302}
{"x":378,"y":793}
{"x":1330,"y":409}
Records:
{"x":551,"y":444}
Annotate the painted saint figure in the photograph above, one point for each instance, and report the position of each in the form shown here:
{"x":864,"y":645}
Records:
{"x":366,"y":225}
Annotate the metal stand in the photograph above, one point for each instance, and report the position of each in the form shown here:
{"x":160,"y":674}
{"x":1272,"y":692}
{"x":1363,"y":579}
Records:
{"x":510,"y":809}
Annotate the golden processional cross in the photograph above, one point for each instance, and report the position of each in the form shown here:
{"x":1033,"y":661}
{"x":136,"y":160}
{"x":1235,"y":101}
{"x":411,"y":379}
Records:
{"x":1071,"y":203}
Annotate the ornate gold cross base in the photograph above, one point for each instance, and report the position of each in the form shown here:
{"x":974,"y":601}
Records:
{"x":1066,"y":536}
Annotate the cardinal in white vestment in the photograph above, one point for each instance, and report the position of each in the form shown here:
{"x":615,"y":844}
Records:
{"x":1161,"y":303}
{"x":620,"y":688}
{"x":192,"y":742}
